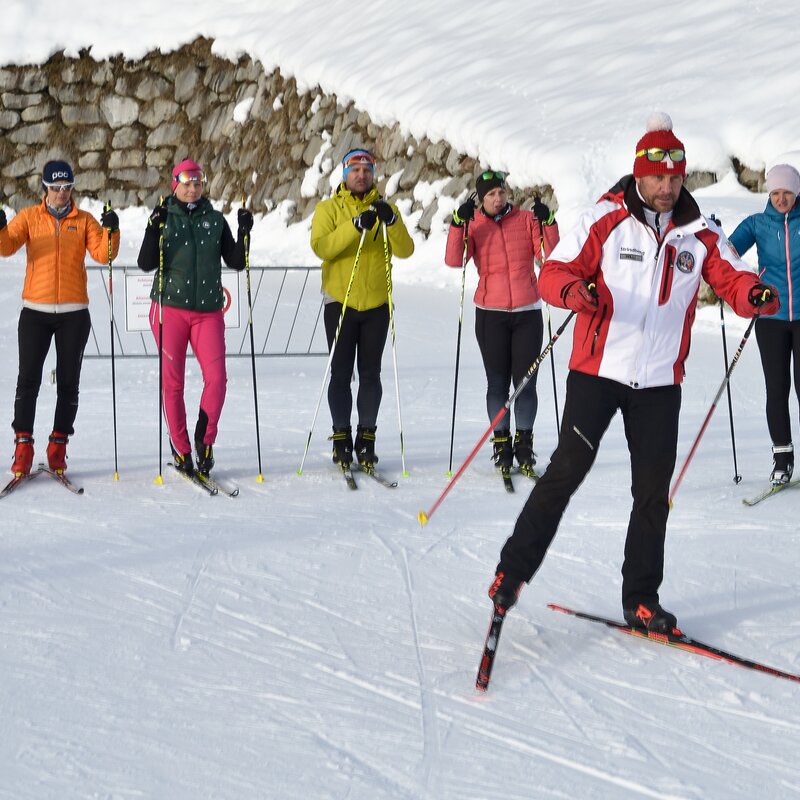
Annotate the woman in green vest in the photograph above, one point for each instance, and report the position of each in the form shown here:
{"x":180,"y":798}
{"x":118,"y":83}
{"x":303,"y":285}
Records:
{"x":196,"y":239}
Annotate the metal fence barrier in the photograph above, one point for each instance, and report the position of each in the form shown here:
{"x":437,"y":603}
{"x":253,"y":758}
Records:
{"x":287,"y":312}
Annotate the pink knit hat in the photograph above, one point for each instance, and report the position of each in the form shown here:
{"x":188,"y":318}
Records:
{"x":783,"y":176}
{"x":188,"y":168}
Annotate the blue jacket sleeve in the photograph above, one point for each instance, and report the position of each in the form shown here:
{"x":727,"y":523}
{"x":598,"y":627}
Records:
{"x":744,"y":237}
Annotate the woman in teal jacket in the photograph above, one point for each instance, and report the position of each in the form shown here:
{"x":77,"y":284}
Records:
{"x":776,"y":235}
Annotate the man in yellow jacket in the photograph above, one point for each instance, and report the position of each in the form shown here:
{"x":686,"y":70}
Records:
{"x":346,"y":233}
{"x":55,"y":303}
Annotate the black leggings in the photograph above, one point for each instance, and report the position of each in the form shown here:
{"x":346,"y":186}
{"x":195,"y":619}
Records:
{"x":363,"y":334}
{"x":35,"y":332}
{"x":510,"y":342}
{"x":779,"y":345}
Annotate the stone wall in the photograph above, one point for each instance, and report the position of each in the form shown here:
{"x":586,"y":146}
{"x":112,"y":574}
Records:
{"x":122,"y":124}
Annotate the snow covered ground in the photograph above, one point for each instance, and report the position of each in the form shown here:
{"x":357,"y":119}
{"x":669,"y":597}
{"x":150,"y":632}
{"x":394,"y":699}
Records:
{"x":303,"y":640}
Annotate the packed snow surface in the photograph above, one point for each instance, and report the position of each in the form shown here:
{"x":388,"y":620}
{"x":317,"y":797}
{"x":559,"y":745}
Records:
{"x":303,"y":640}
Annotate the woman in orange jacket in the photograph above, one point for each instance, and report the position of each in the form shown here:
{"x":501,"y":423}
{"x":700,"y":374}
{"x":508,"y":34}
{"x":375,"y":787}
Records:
{"x":55,"y":303}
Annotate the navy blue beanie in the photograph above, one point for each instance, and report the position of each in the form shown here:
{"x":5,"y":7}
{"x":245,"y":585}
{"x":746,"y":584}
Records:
{"x":57,"y":171}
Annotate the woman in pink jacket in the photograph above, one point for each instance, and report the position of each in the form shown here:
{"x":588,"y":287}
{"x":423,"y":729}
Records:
{"x":504,"y":242}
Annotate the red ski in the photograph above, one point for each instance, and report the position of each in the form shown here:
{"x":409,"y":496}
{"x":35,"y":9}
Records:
{"x":682,"y":642}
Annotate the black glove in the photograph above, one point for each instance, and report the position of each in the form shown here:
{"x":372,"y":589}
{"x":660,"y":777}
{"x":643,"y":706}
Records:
{"x":384,"y":212}
{"x":110,"y":220}
{"x":579,"y":296}
{"x":465,"y":213}
{"x":245,"y":219}
{"x":542,"y":212}
{"x":765,"y":299}
{"x":159,"y":216}
{"x":3,"y":219}
{"x":366,"y":220}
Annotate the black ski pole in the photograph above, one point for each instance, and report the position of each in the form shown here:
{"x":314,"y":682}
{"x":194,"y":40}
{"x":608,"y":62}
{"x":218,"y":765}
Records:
{"x":458,"y":341}
{"x":550,"y":336}
{"x":737,"y":478}
{"x":260,"y":477}
{"x":113,"y":370}
{"x":159,"y":478}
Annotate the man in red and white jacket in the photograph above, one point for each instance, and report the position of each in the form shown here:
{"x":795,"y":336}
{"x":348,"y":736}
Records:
{"x":631,"y":271}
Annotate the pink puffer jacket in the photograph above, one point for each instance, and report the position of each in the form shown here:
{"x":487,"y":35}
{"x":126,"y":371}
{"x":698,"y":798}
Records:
{"x":504,"y":253}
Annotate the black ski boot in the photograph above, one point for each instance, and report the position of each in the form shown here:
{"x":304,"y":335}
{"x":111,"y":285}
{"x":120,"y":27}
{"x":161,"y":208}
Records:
{"x":183,"y":462}
{"x":204,"y":457}
{"x":523,"y":451}
{"x":365,"y":447}
{"x":342,"y":447}
{"x":505,"y":590}
{"x":503,"y":453}
{"x":651,"y":618}
{"x":782,"y":464}
{"x":205,"y":452}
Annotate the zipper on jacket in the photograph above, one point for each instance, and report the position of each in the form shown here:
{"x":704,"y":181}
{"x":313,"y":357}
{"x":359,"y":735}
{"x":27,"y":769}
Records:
{"x":788,"y":262}
{"x":667,"y":273}
{"x":598,"y":327}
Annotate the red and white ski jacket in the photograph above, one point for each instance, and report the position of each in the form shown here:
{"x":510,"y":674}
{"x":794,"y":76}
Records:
{"x":639,"y":335}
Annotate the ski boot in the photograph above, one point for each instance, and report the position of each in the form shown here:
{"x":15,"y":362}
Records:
{"x":503,"y":452}
{"x":182,"y":461}
{"x":651,"y":618}
{"x":342,"y":439}
{"x":365,"y":447}
{"x":23,"y":454}
{"x":204,"y":457}
{"x":57,"y":452}
{"x":523,"y":451}
{"x":505,"y":590}
{"x":782,"y":464}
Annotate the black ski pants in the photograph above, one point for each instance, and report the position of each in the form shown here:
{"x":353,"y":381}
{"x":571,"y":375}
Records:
{"x":650,"y":417}
{"x":361,"y":342}
{"x":36,"y":330}
{"x":779,"y":345}
{"x":510,"y":341}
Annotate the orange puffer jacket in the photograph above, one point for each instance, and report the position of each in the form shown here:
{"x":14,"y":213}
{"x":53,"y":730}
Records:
{"x":56,"y":251}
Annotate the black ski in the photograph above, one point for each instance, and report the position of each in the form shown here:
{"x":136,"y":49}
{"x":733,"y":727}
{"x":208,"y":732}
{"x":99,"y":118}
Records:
{"x":195,"y":479}
{"x":490,"y":648}
{"x":208,"y":481}
{"x":348,"y":477}
{"x":378,"y":476}
{"x":680,"y":641}
{"x":16,"y":481}
{"x":505,"y":474}
{"x":61,"y":478}
{"x":772,"y":490}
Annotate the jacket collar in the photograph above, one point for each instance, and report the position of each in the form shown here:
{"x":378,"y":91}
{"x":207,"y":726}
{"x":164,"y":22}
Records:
{"x":343,"y":193}
{"x":794,"y":211}
{"x":685,"y":213}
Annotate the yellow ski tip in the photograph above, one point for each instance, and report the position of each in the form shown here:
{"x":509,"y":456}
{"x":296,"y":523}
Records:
{"x":158,"y":480}
{"x":423,"y":518}
{"x":260,"y":478}
{"x":406,"y":474}
{"x":116,"y":476}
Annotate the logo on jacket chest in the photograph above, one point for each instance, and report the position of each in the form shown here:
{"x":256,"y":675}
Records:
{"x":685,"y":262}
{"x":630,"y":254}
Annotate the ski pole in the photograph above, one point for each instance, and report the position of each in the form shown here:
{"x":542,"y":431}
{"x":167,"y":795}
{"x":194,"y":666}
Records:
{"x":550,"y":334}
{"x":458,"y":340}
{"x":260,"y":476}
{"x":737,"y":478}
{"x":159,"y":479}
{"x":113,"y":371}
{"x":703,"y":427}
{"x":424,"y":516}
{"x":388,"y":264}
{"x":333,"y":346}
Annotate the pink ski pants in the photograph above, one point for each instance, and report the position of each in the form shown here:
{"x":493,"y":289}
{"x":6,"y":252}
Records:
{"x":205,"y":331}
